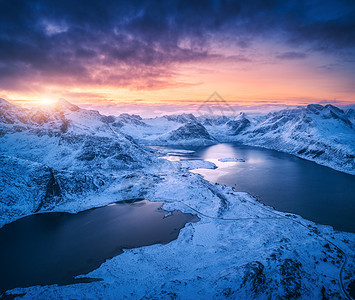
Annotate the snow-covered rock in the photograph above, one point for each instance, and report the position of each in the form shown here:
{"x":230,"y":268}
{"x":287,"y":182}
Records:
{"x":191,"y":133}
{"x":25,"y":187}
{"x":28,"y":187}
{"x":231,"y":159}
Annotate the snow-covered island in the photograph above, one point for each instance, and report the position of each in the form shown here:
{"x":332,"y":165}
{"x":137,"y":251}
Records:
{"x":65,"y":158}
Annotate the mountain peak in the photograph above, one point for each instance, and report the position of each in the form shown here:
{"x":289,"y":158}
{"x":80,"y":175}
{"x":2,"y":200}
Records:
{"x":3,"y":100}
{"x":315,"y":108}
{"x":64,"y":104}
{"x":181,"y":118}
{"x":4,"y":103}
{"x":242,"y":115}
{"x":187,"y":132}
{"x":334,"y":108}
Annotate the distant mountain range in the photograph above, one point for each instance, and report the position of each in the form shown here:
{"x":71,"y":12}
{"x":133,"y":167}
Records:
{"x":324,"y":134}
{"x":67,"y":137}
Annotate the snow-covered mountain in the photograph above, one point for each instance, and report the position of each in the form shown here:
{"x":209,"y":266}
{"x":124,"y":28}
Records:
{"x":213,"y":121}
{"x":123,"y":119}
{"x":323,"y":134}
{"x":182,"y":118}
{"x":239,"y":124}
{"x":68,"y":152}
{"x":67,"y":137}
{"x":190,"y":133}
{"x":350,"y":114}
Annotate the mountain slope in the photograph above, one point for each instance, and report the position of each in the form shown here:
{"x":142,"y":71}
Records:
{"x":59,"y":154}
{"x":28,"y":187}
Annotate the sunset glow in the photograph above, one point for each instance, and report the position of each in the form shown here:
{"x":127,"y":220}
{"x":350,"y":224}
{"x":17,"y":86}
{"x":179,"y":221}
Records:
{"x":252,"y":54}
{"x":47,"y":101}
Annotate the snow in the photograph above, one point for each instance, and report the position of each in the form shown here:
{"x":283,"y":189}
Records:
{"x":239,"y":249}
{"x":183,"y":151}
{"x":171,"y":151}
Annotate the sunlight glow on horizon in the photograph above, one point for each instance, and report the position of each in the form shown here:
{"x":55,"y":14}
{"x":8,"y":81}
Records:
{"x":239,"y":83}
{"x":262,"y":81}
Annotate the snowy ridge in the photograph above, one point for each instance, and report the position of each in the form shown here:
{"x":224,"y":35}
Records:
{"x":183,"y":118}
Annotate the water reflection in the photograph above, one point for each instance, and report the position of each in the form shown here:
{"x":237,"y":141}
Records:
{"x":54,"y":247}
{"x":218,"y":151}
{"x":285,"y":182}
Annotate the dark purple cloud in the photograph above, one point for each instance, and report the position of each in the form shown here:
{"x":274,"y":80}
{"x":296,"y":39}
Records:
{"x":292,"y":55}
{"x":135,"y":44}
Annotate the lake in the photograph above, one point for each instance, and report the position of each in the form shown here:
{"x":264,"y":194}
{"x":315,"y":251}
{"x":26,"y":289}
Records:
{"x":50,"y":248}
{"x":283,"y":181}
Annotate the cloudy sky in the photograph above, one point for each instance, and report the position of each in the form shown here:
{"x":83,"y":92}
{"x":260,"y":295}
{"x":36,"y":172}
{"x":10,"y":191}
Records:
{"x":172,"y":55}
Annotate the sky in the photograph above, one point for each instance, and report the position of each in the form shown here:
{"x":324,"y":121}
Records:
{"x":154,"y":57}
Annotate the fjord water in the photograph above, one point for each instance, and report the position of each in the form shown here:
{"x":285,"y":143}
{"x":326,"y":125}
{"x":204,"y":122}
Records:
{"x":52,"y":248}
{"x":285,"y":182}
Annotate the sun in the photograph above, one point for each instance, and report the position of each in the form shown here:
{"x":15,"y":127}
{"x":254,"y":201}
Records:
{"x":47,"y":101}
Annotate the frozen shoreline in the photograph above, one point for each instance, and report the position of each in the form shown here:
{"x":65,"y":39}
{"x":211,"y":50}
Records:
{"x":330,"y":164}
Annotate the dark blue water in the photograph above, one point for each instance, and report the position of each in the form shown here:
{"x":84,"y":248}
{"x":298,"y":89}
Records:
{"x":52,"y":248}
{"x":285,"y":182}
